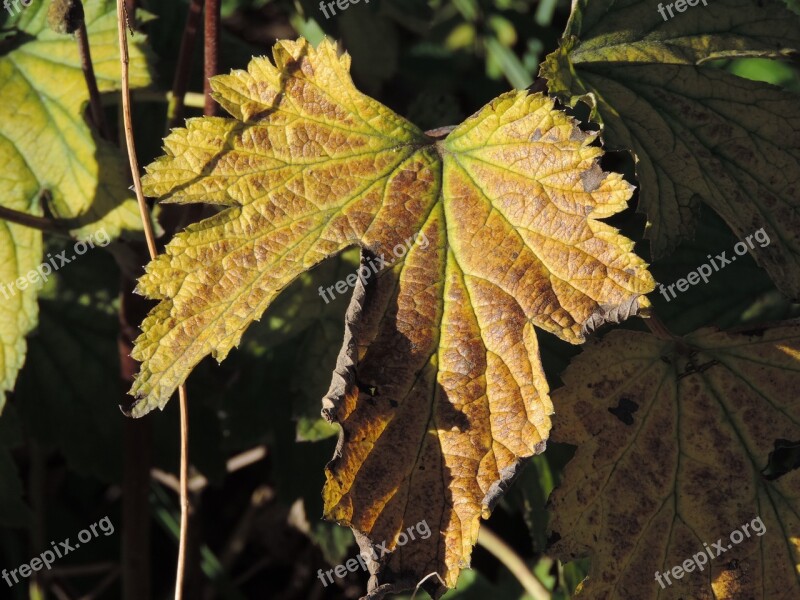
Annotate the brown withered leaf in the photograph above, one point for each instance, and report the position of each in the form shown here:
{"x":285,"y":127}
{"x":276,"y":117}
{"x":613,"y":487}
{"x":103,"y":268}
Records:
{"x":679,"y":446}
{"x":486,"y":233}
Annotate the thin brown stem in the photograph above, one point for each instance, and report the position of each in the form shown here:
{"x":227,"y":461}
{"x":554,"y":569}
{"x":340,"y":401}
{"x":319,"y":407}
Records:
{"x":185,"y":505}
{"x":506,"y":555}
{"x":657,"y":327}
{"x":34,"y":222}
{"x":151,"y":247}
{"x":211,"y":47}
{"x":136,"y":575}
{"x":95,"y":104}
{"x":144,"y":211}
{"x":175,"y":110}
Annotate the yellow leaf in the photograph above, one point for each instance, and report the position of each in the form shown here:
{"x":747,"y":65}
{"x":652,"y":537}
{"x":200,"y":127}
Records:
{"x":475,"y":239}
{"x":45,"y":144}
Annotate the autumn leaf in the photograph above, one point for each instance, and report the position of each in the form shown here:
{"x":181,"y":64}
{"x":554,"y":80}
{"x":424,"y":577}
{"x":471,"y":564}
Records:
{"x":698,"y":133}
{"x":674,"y":441}
{"x":474,"y":239}
{"x":46,"y":145}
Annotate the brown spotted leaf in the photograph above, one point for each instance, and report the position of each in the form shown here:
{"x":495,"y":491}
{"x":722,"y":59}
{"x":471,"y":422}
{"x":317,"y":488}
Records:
{"x":478,"y":238}
{"x":698,"y":133}
{"x":679,"y":447}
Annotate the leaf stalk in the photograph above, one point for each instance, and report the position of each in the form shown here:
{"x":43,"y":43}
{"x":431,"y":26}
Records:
{"x":512,"y":561}
{"x":144,"y":212}
{"x":95,"y":104}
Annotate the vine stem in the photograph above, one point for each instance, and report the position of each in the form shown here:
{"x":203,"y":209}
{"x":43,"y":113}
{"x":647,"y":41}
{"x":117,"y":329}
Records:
{"x":185,"y":505}
{"x":95,"y":104}
{"x":144,"y":212}
{"x":177,"y":100}
{"x":41,"y":223}
{"x":506,"y":555}
{"x":211,"y":48}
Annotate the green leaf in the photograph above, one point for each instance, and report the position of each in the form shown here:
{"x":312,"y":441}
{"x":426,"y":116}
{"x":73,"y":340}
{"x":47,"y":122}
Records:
{"x":45,"y":144}
{"x":513,"y":69}
{"x":634,"y":31}
{"x":334,"y":542}
{"x":43,"y":96}
{"x":769,"y":71}
{"x":20,"y":253}
{"x":698,"y":133}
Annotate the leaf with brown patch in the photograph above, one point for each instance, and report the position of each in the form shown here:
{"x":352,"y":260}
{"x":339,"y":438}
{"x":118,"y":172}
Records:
{"x":470,"y":240}
{"x":673,"y":454}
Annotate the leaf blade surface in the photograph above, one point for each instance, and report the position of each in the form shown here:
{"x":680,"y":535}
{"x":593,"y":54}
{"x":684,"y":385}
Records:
{"x":468,"y":243}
